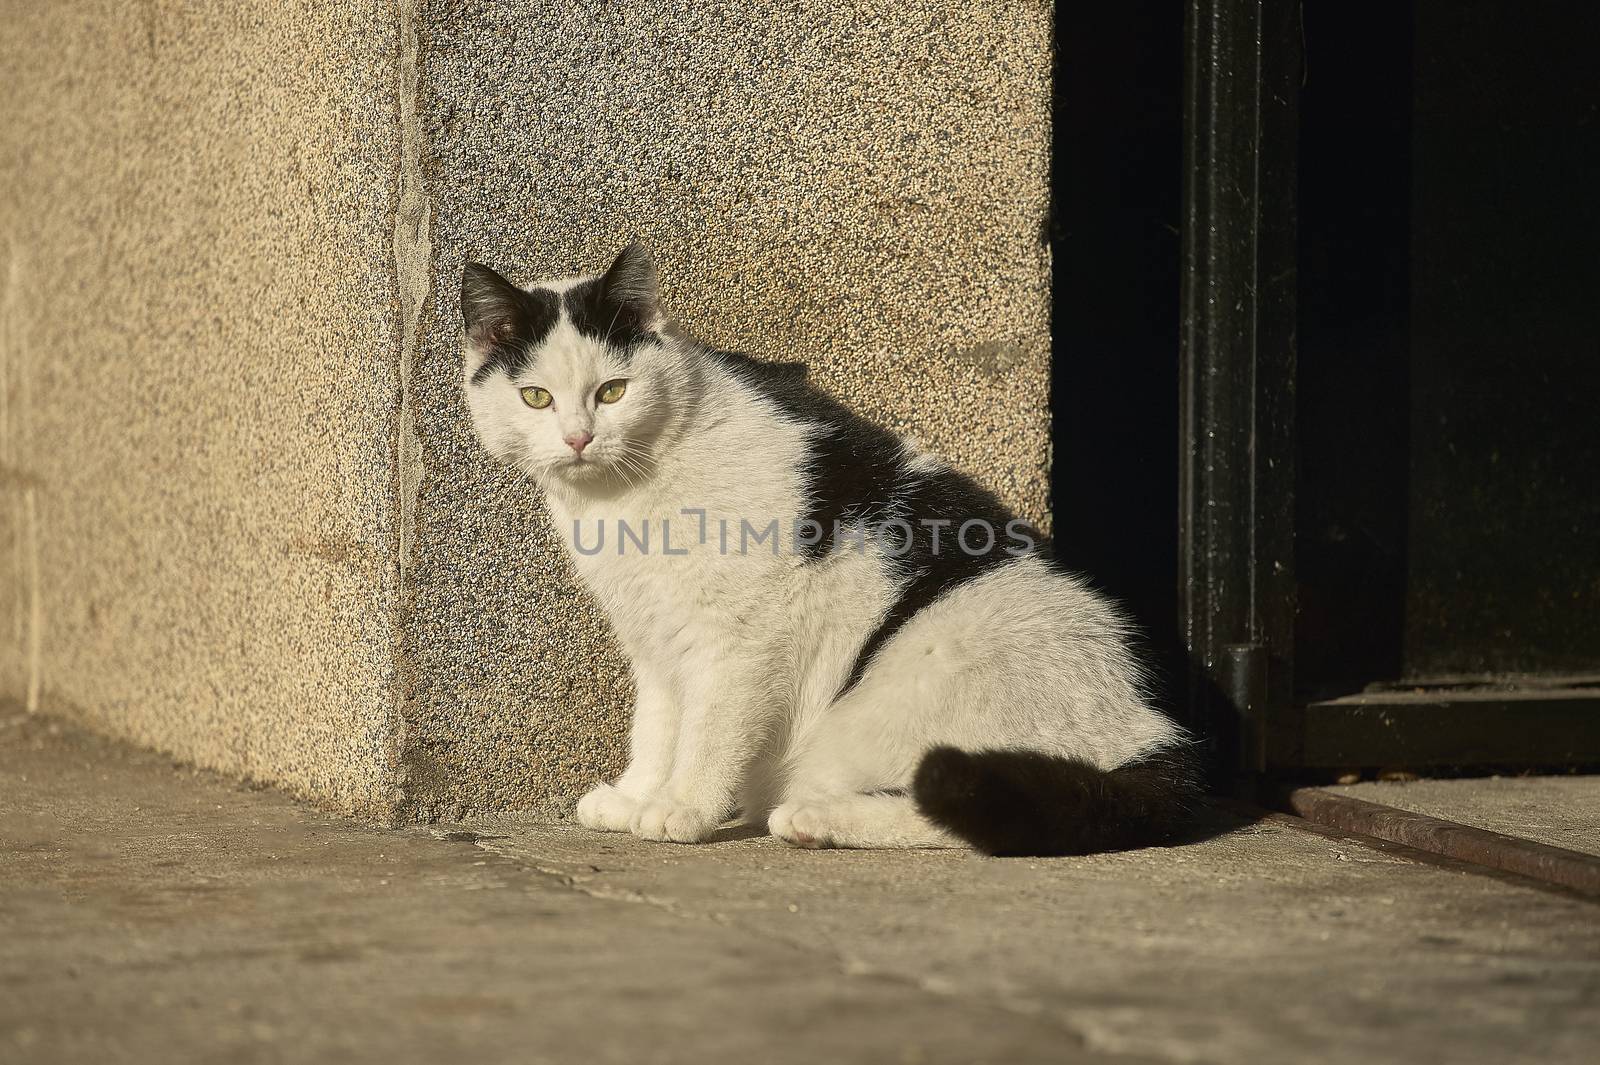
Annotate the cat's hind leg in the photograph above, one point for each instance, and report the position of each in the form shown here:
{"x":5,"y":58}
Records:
{"x":883,"y":821}
{"x":847,"y":783}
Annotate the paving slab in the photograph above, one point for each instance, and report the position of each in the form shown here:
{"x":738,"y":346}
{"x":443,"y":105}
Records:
{"x":1264,"y":943}
{"x":151,"y":913}
{"x":1560,"y":811}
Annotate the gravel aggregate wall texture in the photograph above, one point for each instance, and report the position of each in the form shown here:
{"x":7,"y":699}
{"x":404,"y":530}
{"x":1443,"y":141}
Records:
{"x":198,"y":382}
{"x":245,"y":520}
{"x":862,"y":186}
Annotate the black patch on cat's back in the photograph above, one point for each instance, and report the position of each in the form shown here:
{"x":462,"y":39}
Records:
{"x":942,"y":495}
{"x":519,"y":323}
{"x":596,"y":315}
{"x":855,"y":470}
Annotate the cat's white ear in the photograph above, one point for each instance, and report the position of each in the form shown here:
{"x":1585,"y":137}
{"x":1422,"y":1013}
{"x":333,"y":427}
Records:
{"x":631,"y":282}
{"x":491,"y":307}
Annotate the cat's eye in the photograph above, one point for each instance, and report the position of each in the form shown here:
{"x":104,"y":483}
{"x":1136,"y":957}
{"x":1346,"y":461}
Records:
{"x":611,"y":391}
{"x":536,"y":397}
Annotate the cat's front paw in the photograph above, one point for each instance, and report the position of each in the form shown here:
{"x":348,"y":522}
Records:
{"x":666,"y":821}
{"x":801,"y":825}
{"x":605,"y":809}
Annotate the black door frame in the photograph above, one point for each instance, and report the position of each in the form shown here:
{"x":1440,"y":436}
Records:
{"x":1237,"y":349}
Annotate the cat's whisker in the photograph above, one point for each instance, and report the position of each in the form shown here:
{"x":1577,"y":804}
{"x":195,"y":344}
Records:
{"x":623,"y":466}
{"x":629,"y":456}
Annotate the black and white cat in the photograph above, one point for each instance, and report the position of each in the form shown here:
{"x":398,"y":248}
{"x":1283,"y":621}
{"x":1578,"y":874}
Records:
{"x":830,"y":630}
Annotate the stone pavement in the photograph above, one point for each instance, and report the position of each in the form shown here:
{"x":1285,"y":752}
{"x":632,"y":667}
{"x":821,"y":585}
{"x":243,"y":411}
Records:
{"x":150,"y":913}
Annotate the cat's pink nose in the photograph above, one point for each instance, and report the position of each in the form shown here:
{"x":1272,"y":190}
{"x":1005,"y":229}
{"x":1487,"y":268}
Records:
{"x":578,"y":441}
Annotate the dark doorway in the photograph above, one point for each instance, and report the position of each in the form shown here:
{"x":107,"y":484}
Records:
{"x":1447,"y":526}
{"x":1335,"y":446}
{"x":1118,"y":157}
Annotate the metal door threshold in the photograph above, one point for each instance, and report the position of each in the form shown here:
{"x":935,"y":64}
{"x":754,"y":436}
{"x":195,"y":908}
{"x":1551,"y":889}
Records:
{"x":1573,"y":870}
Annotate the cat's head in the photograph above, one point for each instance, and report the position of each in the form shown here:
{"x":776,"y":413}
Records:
{"x":575,"y":381}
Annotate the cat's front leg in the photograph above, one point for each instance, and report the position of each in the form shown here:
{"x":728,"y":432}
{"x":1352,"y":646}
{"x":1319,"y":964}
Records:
{"x":727,"y":713}
{"x":652,"y":739}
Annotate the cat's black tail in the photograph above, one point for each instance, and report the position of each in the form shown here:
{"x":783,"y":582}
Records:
{"x":1025,"y":803}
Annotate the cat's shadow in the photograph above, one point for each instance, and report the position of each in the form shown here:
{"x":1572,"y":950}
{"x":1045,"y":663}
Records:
{"x":737,"y":833}
{"x":1217,"y":817}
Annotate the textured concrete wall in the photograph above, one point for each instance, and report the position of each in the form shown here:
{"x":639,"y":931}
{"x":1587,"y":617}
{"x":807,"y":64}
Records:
{"x":245,"y":519}
{"x":859,"y":185}
{"x":198,"y":381}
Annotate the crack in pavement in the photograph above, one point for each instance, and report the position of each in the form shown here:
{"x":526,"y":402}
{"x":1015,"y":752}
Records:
{"x":562,"y":872}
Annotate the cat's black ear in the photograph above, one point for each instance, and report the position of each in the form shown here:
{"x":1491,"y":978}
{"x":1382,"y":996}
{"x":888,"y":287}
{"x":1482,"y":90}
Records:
{"x":492,"y":308}
{"x":631,"y":283}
